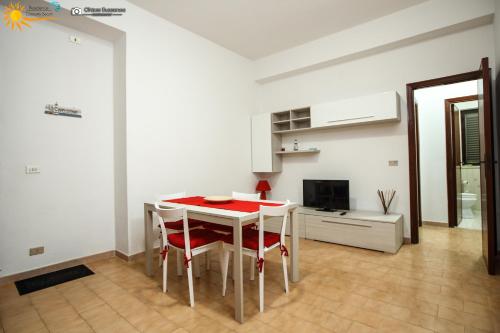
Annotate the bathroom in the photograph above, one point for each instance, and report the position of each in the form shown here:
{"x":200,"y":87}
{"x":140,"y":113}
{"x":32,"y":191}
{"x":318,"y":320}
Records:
{"x":468,"y":177}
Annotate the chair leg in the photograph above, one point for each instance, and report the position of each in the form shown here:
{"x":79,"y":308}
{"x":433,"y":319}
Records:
{"x":190,"y":282}
{"x":196,"y":264}
{"x":252,"y":268}
{"x":285,"y":273}
{"x":165,"y":273}
{"x":207,"y":260}
{"x":180,"y":263}
{"x":224,"y":265}
{"x":160,"y":258}
{"x":261,"y":290}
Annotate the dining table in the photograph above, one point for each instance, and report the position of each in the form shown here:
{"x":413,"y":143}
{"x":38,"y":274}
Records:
{"x":235,"y":219}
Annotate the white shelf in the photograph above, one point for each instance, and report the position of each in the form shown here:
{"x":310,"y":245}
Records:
{"x":301,"y":119}
{"x":281,"y":121}
{"x":308,"y":151}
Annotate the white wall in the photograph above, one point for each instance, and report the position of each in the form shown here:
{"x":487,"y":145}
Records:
{"x":361,"y":154}
{"x":70,"y":203}
{"x":432,"y":137}
{"x":187,"y":113}
{"x":408,"y":26}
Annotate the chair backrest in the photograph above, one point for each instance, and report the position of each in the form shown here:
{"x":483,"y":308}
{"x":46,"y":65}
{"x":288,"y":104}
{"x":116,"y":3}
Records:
{"x":273,"y":211}
{"x":245,"y":196}
{"x":163,"y":197}
{"x":166,"y":215}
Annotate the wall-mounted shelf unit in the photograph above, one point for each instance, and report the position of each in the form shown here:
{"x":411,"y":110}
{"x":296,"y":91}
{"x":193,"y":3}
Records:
{"x":290,"y":152}
{"x":267,"y":129}
{"x":291,"y":120}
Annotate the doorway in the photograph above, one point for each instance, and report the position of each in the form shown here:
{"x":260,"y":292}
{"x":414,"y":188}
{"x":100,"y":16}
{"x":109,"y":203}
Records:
{"x":485,"y":163}
{"x":463,"y":162}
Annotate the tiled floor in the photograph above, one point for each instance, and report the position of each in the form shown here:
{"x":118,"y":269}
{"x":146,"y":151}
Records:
{"x":439,"y":285}
{"x":473,"y":223}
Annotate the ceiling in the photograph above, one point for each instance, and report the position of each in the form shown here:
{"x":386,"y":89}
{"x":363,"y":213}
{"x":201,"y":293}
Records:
{"x":257,"y":28}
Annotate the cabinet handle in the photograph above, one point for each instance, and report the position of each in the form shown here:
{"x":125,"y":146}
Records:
{"x":351,"y":224}
{"x":345,"y":119}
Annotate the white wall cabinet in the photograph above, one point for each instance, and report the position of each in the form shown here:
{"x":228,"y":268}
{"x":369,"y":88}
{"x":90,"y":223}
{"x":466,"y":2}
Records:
{"x":356,"y":111}
{"x":264,"y":145}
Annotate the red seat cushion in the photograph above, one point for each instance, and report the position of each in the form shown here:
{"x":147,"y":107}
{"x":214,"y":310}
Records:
{"x":251,"y":239}
{"x":224,"y":228}
{"x":197,"y":238}
{"x":178,"y":225}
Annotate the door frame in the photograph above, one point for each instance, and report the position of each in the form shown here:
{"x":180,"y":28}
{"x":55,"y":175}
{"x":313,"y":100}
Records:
{"x":451,"y":174}
{"x":414,"y":170}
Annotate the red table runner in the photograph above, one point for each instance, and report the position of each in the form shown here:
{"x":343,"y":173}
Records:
{"x":237,"y":205}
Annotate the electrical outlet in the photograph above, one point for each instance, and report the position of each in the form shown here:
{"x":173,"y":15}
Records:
{"x":30,"y":169}
{"x":37,"y":250}
{"x":393,"y":163}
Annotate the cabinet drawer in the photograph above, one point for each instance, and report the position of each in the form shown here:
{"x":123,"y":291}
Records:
{"x":273,"y":224}
{"x":359,"y":233}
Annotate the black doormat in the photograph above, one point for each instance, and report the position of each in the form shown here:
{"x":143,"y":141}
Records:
{"x":52,"y":279}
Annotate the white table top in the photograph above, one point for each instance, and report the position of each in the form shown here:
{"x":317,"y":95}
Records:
{"x":243,"y":216}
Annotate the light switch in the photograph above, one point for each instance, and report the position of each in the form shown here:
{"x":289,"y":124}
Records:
{"x":393,"y":163}
{"x":30,"y":169}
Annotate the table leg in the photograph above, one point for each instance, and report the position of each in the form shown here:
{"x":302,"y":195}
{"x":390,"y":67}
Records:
{"x":238,"y":279}
{"x":294,"y":235}
{"x":148,"y":235}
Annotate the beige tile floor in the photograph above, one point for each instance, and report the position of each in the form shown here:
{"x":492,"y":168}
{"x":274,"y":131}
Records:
{"x":439,"y":285}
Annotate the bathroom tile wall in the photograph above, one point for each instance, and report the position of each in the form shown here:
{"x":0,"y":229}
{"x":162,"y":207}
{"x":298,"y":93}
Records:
{"x":470,"y":174}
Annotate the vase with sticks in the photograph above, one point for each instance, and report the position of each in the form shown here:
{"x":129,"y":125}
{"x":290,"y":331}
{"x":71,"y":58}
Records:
{"x":386,"y":197}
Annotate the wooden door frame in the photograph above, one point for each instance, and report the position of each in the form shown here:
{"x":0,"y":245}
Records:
{"x":415,"y":216}
{"x":451,"y":174}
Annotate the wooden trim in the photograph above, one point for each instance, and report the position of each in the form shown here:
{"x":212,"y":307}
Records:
{"x":406,"y":240}
{"x":412,"y":140}
{"x":56,"y":267}
{"x":489,"y":235}
{"x":451,"y":174}
{"x":121,"y":255}
{"x":435,"y":223}
{"x":133,"y":257}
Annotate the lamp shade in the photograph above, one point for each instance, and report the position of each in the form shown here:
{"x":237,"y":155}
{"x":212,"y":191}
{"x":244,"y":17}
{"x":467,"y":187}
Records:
{"x":263,"y":185}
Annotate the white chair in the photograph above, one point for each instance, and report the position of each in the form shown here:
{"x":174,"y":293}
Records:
{"x":191,"y":242}
{"x":177,"y":226}
{"x":245,"y":196}
{"x":256,"y":243}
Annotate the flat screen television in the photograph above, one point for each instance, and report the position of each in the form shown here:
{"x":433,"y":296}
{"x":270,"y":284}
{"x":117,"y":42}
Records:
{"x":327,"y":195}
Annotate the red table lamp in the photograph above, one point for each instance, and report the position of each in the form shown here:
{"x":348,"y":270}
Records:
{"x":263,"y":186}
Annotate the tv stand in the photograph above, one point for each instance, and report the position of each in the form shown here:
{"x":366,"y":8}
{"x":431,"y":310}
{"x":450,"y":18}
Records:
{"x":331,"y":210}
{"x":369,"y":230}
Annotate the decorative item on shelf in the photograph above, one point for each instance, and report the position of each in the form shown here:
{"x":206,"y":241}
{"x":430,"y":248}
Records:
{"x":295,"y":145}
{"x":282,"y":148}
{"x":263,"y":186}
{"x":386,"y":199}
{"x":57,"y":110}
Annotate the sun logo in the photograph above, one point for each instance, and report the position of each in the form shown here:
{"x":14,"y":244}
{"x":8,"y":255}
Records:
{"x":14,"y":16}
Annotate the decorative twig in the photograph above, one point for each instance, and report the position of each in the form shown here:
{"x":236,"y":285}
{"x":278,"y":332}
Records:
{"x":386,"y":198}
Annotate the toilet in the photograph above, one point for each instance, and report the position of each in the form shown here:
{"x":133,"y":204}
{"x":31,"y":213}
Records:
{"x":468,"y":200}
